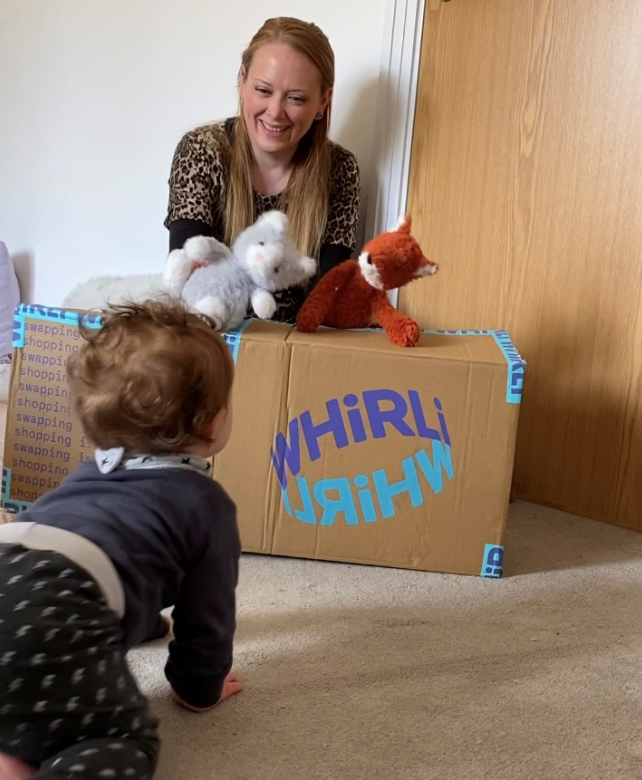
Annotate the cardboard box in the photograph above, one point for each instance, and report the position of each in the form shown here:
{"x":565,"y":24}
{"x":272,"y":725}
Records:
{"x":377,"y":455}
{"x":43,"y":441}
{"x":345,"y":447}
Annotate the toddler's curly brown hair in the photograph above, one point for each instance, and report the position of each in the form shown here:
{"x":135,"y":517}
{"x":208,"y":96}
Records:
{"x":151,"y":379}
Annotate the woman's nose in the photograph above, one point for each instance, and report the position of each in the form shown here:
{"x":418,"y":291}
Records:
{"x":275,"y":108}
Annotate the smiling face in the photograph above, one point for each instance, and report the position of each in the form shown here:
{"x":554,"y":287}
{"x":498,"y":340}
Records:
{"x":281,"y":94}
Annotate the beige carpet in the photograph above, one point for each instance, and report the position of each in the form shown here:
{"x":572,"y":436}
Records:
{"x":363,"y":673}
{"x":358,"y":673}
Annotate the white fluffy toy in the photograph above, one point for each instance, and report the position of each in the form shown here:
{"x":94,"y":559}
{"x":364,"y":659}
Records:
{"x":221,"y":282}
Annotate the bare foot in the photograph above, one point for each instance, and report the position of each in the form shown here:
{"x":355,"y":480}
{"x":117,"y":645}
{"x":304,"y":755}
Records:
{"x":231,"y":687}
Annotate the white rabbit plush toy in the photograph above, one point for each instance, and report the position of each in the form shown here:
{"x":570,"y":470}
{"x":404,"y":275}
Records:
{"x":261,"y":261}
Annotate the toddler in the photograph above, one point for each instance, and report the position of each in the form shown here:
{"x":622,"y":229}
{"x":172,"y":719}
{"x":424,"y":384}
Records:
{"x":85,"y":572}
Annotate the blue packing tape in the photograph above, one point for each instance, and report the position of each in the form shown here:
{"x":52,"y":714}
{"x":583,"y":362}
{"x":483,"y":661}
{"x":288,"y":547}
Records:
{"x":6,"y":502}
{"x":233,"y":338}
{"x":30,"y":311}
{"x":493,"y":563}
{"x":516,"y":364}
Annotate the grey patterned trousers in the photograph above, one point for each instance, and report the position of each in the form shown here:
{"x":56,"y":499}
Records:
{"x":69,"y":706}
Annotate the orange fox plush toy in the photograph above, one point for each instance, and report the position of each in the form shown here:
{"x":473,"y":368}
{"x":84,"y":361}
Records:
{"x":353,"y":295}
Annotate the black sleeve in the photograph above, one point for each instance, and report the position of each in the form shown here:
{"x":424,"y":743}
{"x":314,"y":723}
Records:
{"x":332,"y":255}
{"x":182,"y":229}
{"x":201,"y":653}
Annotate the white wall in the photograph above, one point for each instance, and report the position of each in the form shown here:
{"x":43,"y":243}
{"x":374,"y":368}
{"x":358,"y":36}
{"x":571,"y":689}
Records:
{"x":94,"y":96}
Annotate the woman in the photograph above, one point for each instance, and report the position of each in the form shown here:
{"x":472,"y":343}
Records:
{"x":274,"y":155}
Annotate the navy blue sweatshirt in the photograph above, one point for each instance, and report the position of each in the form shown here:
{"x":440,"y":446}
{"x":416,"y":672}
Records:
{"x":173,"y":538}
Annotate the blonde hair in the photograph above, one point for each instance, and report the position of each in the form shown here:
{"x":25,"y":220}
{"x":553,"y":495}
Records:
{"x":305,"y":199}
{"x":151,"y":379}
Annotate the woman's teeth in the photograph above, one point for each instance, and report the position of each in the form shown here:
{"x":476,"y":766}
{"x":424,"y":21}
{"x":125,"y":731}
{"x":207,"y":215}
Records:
{"x":273,"y":128}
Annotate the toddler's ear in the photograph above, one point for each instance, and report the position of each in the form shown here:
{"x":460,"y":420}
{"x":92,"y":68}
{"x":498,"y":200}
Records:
{"x":218,"y":423}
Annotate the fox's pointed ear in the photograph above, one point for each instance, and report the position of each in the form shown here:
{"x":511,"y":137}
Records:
{"x":404,"y":225}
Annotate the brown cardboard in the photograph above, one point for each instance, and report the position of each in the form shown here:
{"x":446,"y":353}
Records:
{"x":258,"y":405}
{"x":43,"y":441}
{"x":332,"y":504}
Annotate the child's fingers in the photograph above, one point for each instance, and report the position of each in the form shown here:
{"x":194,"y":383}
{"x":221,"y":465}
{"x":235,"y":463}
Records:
{"x":233,"y":687}
{"x":233,"y":684}
{"x":14,"y":769}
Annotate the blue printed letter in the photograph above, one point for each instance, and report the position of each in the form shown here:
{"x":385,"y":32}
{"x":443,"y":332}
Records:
{"x":432,"y":471}
{"x":379,"y":417}
{"x":410,"y":484}
{"x":334,"y":425}
{"x":331,"y":507}
{"x":287,"y":455}
{"x":307,"y":515}
{"x":420,"y":419}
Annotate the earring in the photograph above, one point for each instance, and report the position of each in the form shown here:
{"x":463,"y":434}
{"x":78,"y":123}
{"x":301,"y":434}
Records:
{"x":319,"y":116}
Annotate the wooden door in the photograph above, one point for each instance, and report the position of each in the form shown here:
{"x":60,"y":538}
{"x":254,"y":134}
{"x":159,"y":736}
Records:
{"x":526,"y":187}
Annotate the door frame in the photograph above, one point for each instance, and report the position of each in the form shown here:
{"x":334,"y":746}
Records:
{"x":395,"y":118}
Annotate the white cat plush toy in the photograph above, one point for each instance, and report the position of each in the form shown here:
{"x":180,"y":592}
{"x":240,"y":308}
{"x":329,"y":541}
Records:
{"x":261,"y":261}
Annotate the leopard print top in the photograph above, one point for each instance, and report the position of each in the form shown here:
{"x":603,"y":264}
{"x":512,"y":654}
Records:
{"x":197,"y":182}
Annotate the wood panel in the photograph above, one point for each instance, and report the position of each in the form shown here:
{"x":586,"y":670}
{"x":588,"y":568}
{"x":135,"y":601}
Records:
{"x":526,"y":187}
